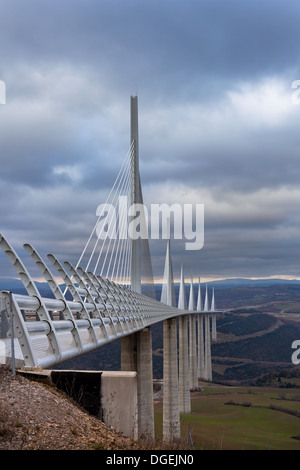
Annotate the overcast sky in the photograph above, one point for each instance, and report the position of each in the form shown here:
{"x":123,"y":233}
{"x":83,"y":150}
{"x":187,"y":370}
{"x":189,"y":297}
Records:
{"x":219,"y":124}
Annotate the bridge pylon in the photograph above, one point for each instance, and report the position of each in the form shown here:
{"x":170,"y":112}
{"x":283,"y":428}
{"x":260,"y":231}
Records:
{"x":193,"y":340}
{"x":171,"y":415}
{"x":200,"y":335}
{"x":184,"y":378}
{"x":136,"y":349}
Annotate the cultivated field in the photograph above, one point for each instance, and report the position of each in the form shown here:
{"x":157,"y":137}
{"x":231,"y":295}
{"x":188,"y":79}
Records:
{"x":240,"y":418}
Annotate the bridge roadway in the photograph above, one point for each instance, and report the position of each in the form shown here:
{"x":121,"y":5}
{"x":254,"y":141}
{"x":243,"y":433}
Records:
{"x":107,"y":321}
{"x":48,"y":331}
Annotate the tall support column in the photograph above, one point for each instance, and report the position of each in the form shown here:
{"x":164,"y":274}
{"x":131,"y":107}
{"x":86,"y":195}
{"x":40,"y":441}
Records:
{"x":136,"y":355}
{"x":193,"y":353}
{"x":128,"y":353}
{"x":184,"y":374}
{"x":184,"y":379}
{"x":208,"y":368}
{"x":171,"y":421}
{"x":200,"y":347}
{"x":213,"y":327}
{"x":145,"y":385}
{"x":135,"y":195}
{"x":193,"y":341}
{"x":200,"y":369}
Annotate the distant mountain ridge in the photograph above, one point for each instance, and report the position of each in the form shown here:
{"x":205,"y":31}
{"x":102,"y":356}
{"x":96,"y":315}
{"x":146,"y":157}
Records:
{"x":15,"y":285}
{"x":244,"y":282}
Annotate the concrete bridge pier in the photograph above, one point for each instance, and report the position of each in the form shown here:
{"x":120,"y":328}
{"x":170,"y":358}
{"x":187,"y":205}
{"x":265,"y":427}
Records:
{"x":184,"y":376}
{"x":129,"y":353}
{"x":136,"y":355}
{"x":214,"y":327}
{"x":200,"y":347}
{"x":208,"y":368}
{"x":171,"y":418}
{"x":193,"y":353}
{"x":145,"y":384}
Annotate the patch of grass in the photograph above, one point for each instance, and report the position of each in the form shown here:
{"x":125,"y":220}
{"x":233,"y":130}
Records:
{"x":214,"y":425}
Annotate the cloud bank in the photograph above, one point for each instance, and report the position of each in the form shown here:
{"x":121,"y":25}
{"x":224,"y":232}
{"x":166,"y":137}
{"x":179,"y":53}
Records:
{"x":217,"y":121}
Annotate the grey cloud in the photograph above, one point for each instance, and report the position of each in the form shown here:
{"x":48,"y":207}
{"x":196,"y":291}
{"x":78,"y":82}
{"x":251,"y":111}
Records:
{"x":166,"y":47}
{"x":210,"y":127}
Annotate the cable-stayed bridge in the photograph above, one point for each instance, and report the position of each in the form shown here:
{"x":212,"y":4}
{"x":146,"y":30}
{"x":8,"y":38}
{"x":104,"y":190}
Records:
{"x":109,"y":294}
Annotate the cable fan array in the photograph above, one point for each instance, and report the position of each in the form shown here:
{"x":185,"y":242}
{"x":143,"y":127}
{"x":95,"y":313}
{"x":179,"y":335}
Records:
{"x":108,"y":248}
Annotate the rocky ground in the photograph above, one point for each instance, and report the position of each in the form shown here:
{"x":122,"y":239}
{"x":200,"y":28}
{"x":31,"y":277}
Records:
{"x":37,"y":417}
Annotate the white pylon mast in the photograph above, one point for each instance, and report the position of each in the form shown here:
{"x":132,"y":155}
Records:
{"x":167,"y":292}
{"x":206,"y":307}
{"x":191,"y":297}
{"x":213,"y":307}
{"x":181,"y":296}
{"x":199,"y":300}
{"x":135,"y":195}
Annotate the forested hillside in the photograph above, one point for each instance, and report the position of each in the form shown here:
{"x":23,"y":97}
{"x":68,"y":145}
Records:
{"x":251,"y":341}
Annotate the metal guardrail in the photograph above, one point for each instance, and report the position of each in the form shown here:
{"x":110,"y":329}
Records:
{"x":4,"y":323}
{"x":47,"y":331}
{"x":7,"y":347}
{"x":76,"y":335}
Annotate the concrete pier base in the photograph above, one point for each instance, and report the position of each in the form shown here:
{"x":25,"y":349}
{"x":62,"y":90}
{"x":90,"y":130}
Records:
{"x":128,"y":353}
{"x":193,"y":353}
{"x":145,"y":385}
{"x":208,"y":368}
{"x":110,"y":395}
{"x":213,"y":327}
{"x":119,"y":402}
{"x":184,"y":376}
{"x":136,"y":355}
{"x":200,"y":347}
{"x":171,"y":421}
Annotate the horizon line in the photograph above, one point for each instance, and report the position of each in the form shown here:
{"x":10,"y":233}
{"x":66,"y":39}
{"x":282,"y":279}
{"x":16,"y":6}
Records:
{"x":188,"y":278}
